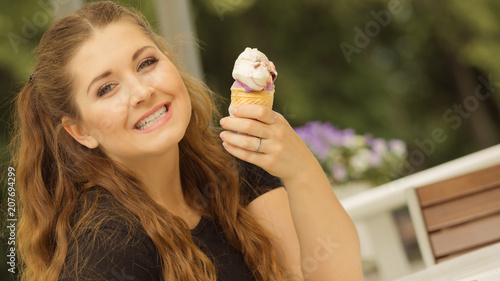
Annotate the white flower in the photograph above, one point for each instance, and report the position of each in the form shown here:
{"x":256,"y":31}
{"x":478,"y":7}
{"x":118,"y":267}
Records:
{"x":361,"y":161}
{"x":359,"y":141}
{"x":398,"y":147}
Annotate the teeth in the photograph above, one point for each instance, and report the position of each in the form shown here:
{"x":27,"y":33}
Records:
{"x":151,"y":119}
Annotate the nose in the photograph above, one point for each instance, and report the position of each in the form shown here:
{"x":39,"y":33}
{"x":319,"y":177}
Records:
{"x":141,"y":92}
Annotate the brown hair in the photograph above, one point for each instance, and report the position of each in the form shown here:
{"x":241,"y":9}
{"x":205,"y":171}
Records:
{"x":53,"y":170}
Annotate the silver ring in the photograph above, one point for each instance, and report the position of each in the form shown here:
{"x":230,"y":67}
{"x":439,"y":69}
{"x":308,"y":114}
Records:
{"x":260,"y":144}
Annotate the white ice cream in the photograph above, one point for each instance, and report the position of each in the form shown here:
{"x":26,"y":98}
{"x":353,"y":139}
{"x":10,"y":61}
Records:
{"x":253,"y":69}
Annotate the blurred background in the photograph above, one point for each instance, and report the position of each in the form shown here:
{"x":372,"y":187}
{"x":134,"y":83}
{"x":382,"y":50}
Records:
{"x":423,"y":72}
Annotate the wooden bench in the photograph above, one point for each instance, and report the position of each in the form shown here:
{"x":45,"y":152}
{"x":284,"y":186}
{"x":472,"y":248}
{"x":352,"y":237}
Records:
{"x":458,"y":215}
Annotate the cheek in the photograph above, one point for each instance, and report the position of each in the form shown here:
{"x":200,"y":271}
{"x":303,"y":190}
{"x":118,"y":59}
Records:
{"x":156,"y":78}
{"x":165,"y":76}
{"x":102,"y":125}
{"x":120,"y":104}
{"x":106,"y":125}
{"x":160,"y":76}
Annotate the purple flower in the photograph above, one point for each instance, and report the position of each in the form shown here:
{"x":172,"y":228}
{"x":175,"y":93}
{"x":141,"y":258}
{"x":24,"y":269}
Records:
{"x":332,"y":135}
{"x":311,"y":134}
{"x":379,"y":145}
{"x":347,"y":156}
{"x":319,"y":148}
{"x":339,"y":173}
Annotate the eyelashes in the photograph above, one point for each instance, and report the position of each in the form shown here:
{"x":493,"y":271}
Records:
{"x":147,"y":62}
{"x":106,"y":88}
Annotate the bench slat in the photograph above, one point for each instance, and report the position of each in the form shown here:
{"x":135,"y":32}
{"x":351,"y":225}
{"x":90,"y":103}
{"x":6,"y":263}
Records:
{"x":465,"y":236}
{"x":463,"y":209}
{"x":459,"y":186}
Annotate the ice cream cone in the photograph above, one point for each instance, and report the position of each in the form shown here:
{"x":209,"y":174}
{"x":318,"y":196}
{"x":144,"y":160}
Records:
{"x":239,"y":97}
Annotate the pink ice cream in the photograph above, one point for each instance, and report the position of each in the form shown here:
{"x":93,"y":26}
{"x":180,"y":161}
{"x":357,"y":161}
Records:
{"x":254,"y":72}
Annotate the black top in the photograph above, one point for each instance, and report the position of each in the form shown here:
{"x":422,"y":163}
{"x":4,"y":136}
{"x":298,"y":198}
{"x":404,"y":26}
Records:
{"x":135,"y":257}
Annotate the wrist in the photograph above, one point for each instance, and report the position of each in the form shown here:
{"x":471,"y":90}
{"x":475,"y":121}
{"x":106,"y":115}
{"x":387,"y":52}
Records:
{"x":311,"y":174}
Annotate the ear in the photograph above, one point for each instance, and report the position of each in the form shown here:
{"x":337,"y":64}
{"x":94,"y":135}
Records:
{"x":80,"y":134}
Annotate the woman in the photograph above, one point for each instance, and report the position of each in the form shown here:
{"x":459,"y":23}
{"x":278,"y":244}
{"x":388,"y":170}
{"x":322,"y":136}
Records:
{"x":122,"y":175}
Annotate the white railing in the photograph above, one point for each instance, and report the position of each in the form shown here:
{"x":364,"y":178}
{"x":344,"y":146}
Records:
{"x":374,"y":206}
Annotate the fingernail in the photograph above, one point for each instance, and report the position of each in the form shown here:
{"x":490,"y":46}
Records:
{"x":222,"y":121}
{"x":275,"y":116}
{"x":234,"y":110}
{"x":222,"y":135}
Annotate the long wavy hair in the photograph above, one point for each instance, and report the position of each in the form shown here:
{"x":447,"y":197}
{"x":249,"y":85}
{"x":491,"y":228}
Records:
{"x":53,"y":170}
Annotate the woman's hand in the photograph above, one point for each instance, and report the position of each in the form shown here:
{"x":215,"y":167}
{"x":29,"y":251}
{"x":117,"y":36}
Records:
{"x":266,"y":139}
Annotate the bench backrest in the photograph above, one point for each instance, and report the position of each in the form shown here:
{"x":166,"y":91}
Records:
{"x":457,"y":215}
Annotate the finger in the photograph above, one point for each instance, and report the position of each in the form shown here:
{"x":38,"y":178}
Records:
{"x":247,"y":142}
{"x":243,"y":154}
{"x":247,"y":126}
{"x":258,"y":112}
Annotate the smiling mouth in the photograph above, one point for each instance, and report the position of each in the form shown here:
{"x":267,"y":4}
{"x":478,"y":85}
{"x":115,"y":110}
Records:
{"x":151,"y":119}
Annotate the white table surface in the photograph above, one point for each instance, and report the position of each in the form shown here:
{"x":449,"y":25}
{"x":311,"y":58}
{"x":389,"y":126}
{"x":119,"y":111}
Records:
{"x":480,"y":265}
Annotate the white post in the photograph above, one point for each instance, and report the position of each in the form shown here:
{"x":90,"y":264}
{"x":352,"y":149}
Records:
{"x":177,"y":28}
{"x":390,"y":256}
{"x":417,"y":219}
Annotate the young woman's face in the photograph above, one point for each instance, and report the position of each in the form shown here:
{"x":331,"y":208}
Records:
{"x":132,"y":100}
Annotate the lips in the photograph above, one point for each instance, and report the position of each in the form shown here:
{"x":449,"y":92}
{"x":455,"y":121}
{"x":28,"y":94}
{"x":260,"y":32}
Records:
{"x":152,"y":116}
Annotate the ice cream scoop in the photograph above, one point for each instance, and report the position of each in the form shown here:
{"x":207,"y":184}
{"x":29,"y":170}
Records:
{"x":254,"y":78}
{"x":254,"y":71}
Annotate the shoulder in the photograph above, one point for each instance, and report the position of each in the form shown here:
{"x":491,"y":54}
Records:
{"x":255,"y":181}
{"x":108,"y":244}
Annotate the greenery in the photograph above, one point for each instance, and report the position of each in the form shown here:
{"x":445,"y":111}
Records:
{"x":419,"y":71}
{"x":417,"y":74}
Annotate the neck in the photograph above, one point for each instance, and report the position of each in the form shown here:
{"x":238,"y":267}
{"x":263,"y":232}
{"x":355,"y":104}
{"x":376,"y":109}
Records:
{"x":161,"y":177}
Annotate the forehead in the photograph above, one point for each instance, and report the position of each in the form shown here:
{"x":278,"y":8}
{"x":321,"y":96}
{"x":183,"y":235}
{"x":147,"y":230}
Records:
{"x":108,"y":46}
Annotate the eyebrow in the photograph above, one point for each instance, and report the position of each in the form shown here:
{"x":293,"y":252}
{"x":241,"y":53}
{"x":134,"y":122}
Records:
{"x":109,"y":72}
{"x":139,"y":52}
{"x":104,"y":75}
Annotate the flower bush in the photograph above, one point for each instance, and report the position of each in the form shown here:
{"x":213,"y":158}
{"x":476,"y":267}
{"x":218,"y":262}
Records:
{"x":346,"y":156}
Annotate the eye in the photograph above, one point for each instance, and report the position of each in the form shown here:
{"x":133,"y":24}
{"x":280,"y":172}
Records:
{"x":147,"y":62}
{"x":105,"y":89}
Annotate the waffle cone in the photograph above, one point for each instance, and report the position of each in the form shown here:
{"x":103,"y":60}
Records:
{"x":239,"y":97}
